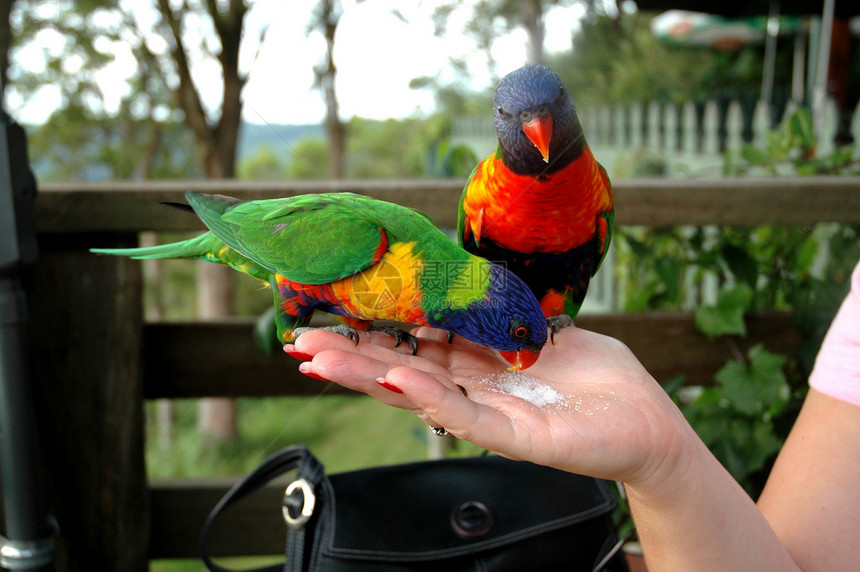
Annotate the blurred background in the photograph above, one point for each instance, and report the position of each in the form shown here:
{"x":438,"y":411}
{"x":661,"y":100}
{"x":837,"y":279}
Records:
{"x":313,"y":89}
{"x":381,"y":89}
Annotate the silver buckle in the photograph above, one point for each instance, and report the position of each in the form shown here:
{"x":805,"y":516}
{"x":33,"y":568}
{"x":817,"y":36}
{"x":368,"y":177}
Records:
{"x":297,"y":522}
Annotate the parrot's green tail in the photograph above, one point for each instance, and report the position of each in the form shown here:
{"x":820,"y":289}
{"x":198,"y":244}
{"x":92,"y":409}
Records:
{"x":205,"y":247}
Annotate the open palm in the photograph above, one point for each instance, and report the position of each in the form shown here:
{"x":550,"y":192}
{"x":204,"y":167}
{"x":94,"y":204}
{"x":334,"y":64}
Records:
{"x":607,"y":417}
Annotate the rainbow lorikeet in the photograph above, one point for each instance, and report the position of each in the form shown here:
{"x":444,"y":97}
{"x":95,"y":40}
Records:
{"x":541,"y":204}
{"x":362,"y":259}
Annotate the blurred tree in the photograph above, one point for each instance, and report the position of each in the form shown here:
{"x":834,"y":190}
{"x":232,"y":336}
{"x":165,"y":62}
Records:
{"x":88,"y":135}
{"x":324,"y":20}
{"x":493,"y":18}
{"x":616,"y":57}
{"x":5,"y":40}
{"x":217,"y":133}
{"x":72,"y":146}
{"x":310,"y":159}
{"x":389,"y":149}
{"x":216,"y":130}
{"x":167,"y":41}
{"x":403,"y":148}
{"x":265,"y":164}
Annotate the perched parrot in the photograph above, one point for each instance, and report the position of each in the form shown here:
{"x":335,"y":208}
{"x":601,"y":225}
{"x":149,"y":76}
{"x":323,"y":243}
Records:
{"x":541,"y":204}
{"x":362,"y":259}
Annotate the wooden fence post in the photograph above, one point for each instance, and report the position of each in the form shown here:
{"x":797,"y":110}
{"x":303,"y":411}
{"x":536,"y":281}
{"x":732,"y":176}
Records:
{"x":85,"y":318}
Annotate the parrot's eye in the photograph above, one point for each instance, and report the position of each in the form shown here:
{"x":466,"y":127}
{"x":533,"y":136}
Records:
{"x":503,"y":113}
{"x":519,"y":330}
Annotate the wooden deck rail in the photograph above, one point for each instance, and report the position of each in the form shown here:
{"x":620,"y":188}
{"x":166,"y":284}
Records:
{"x":131,"y":206}
{"x":95,"y":361}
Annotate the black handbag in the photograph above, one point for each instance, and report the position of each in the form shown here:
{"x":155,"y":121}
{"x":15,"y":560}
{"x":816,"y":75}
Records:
{"x":480,"y":514}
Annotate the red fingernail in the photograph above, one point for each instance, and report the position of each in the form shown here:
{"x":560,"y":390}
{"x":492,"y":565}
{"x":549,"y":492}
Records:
{"x":313,"y":375}
{"x":291,"y":351}
{"x":299,"y":355}
{"x":389,"y":386}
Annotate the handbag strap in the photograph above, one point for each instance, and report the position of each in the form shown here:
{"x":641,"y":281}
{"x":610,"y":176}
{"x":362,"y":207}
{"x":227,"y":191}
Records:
{"x":294,"y":457}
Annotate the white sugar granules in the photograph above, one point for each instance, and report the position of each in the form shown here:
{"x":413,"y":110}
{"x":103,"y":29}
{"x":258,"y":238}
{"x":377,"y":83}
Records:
{"x":518,"y":384}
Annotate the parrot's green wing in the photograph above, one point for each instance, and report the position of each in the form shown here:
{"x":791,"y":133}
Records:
{"x":605,"y":227}
{"x":312,"y":239}
{"x":461,"y":211}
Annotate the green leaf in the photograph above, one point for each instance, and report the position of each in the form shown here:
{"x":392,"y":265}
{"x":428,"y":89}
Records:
{"x":638,"y":247}
{"x":800,"y":124}
{"x":741,"y":264}
{"x":669,"y":270}
{"x":752,"y":389}
{"x":727,"y":316}
{"x":753,"y":154}
{"x":806,"y":255}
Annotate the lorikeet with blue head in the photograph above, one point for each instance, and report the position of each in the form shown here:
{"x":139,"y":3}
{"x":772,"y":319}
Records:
{"x":364,"y":260}
{"x":541,"y":204}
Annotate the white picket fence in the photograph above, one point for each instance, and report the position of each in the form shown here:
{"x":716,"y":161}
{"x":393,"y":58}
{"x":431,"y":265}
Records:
{"x":625,"y":135}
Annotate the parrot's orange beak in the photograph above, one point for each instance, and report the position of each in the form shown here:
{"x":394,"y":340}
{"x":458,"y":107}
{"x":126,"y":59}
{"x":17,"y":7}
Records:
{"x":539,"y":132}
{"x":520,"y":359}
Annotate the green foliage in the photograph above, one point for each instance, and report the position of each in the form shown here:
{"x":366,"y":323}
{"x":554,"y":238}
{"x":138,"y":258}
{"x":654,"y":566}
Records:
{"x":394,"y":148}
{"x":791,"y":149}
{"x":339,"y":430}
{"x":725,"y":273}
{"x":620,"y":60}
{"x":84,"y":36}
{"x":310,"y":159}
{"x":451,"y":161}
{"x":265,"y":164}
{"x":727,"y":316}
{"x":774,"y":263}
{"x":79,"y":144}
{"x":734,"y":417}
{"x":745,"y":417}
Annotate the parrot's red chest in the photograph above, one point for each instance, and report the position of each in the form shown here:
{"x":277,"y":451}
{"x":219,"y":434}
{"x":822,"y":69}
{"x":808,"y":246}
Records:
{"x":553,"y":213}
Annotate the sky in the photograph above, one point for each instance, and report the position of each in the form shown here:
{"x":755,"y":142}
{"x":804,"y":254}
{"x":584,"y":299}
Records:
{"x":377,"y":54}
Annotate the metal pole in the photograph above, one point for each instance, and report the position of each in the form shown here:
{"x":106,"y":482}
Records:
{"x":772,"y":35}
{"x":819,"y":90}
{"x":30,"y":532}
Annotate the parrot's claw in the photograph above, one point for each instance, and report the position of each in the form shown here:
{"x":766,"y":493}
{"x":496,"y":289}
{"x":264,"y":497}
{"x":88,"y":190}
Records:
{"x":555,"y":323}
{"x":341,"y":329}
{"x":450,"y":336}
{"x":399,"y":336}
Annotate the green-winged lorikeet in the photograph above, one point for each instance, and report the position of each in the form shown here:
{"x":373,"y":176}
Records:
{"x":362,"y":259}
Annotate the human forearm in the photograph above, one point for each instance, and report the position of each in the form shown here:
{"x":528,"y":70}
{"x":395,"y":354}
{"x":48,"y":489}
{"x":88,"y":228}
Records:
{"x":693,"y":515}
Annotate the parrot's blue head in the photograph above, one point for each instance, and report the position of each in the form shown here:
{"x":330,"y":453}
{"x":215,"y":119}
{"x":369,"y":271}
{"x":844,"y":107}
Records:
{"x":536,"y":121}
{"x":508,"y":319}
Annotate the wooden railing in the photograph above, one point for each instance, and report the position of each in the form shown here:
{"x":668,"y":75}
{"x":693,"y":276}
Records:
{"x":96,"y":361}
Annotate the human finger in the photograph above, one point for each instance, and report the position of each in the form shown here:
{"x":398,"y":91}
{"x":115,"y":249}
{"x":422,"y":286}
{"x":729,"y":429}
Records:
{"x":440,"y":404}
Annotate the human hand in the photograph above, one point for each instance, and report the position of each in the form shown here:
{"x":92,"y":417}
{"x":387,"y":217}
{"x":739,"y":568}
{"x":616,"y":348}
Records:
{"x":587,"y":405}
